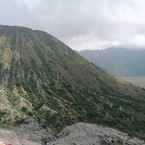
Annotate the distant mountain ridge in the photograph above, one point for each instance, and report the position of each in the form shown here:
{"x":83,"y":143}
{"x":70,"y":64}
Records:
{"x":119,"y":61}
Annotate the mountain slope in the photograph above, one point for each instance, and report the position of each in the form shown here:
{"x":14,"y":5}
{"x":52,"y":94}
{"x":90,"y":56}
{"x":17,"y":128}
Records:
{"x":41,"y":77}
{"x":119,"y":61}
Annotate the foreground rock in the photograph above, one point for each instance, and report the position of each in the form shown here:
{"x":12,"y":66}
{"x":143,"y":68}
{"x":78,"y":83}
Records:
{"x":10,"y":137}
{"x":88,"y":134}
{"x":28,"y":133}
{"x":77,"y":134}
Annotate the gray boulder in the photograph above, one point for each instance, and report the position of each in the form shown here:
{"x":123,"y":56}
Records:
{"x":90,"y":134}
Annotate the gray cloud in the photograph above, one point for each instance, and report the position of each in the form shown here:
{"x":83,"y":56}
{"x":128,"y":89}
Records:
{"x":81,"y":24}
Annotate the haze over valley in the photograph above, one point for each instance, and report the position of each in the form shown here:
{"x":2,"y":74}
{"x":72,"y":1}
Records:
{"x":123,"y":62}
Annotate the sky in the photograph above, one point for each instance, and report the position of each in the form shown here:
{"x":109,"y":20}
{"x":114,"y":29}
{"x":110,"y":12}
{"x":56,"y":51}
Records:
{"x":81,"y":24}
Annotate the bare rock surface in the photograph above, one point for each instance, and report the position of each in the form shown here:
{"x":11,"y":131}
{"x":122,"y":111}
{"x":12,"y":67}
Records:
{"x":89,"y":134}
{"x":10,"y":137}
{"x":28,"y":133}
{"x":77,"y":134}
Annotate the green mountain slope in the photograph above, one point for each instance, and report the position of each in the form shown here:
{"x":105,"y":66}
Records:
{"x":119,"y":61}
{"x":41,"y":77}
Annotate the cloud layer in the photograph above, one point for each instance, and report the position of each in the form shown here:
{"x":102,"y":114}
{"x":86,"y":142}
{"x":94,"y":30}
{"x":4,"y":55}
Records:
{"x":83,"y":24}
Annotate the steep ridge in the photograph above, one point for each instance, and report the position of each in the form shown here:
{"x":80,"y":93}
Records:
{"x":43,"y":78}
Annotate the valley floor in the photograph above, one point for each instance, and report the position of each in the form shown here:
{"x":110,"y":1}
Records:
{"x":136,"y":80}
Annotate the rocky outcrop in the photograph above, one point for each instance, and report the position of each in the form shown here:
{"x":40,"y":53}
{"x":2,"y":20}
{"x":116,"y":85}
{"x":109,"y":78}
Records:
{"x":89,"y":134}
{"x":10,"y":137}
{"x":28,"y":133}
{"x":31,"y":133}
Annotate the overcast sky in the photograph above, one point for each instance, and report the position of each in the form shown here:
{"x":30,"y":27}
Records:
{"x":82,"y":24}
